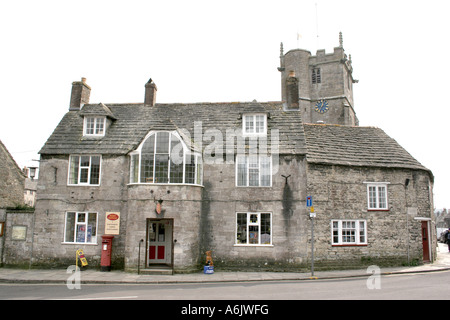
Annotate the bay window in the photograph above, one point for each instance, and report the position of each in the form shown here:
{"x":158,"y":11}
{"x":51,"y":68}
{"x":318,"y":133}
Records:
{"x":163,"y":158}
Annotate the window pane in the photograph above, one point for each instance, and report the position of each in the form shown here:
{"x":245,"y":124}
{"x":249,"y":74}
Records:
{"x":259,"y":128}
{"x":249,"y":124}
{"x":176,"y":160}
{"x":70,"y":227}
{"x":242,"y":170}
{"x":372,"y":197}
{"x":348,"y":231}
{"x":92,"y":228}
{"x":134,"y":168}
{"x":73,"y":174}
{"x":147,"y":159}
{"x":265,"y":171}
{"x":241,"y":228}
{"x":161,"y":168}
{"x":95,"y":170}
{"x":253,"y":234}
{"x":362,"y":232}
{"x":176,"y":172}
{"x":265,"y":228}
{"x":84,"y":175}
{"x":253,"y":177}
{"x":85,"y":161}
{"x":90,"y":122}
{"x":190,"y":169}
{"x":162,"y":142}
{"x":99,"y":125}
{"x":382,"y":197}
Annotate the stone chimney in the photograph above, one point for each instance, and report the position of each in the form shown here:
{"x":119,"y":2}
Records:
{"x":292,"y":91}
{"x":150,"y":93}
{"x":80,"y":94}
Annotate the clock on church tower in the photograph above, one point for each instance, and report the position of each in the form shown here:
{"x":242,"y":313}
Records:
{"x":321,"y":106}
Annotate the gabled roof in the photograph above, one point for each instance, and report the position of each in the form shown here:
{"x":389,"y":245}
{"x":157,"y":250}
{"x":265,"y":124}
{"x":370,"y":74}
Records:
{"x":134,"y":121}
{"x":356,"y":146}
{"x":97,"y":110}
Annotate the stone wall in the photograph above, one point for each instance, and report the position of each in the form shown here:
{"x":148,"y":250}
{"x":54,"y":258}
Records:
{"x":17,"y":239}
{"x":393,"y":236}
{"x":222,"y":200}
{"x":12,"y":181}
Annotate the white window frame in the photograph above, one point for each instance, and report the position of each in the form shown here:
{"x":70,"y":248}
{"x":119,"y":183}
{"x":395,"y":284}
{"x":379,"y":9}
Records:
{"x":248,"y":168}
{"x":136,"y":160}
{"x":250,"y":223}
{"x":377,"y":205}
{"x":252,"y":118}
{"x":339,"y":237}
{"x":81,"y":224}
{"x":80,"y":168}
{"x":99,"y":126}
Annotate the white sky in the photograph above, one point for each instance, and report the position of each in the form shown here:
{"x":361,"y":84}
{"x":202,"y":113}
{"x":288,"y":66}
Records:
{"x":222,"y":51}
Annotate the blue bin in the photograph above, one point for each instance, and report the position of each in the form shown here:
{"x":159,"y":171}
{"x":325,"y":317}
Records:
{"x":208,"y":270}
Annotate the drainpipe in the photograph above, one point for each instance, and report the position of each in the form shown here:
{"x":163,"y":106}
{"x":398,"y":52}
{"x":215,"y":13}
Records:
{"x":139,"y":256}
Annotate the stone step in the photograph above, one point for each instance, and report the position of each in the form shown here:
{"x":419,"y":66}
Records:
{"x":161,"y":270}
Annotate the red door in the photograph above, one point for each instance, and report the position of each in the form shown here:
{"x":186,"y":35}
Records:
{"x":159,"y":241}
{"x":425,"y":242}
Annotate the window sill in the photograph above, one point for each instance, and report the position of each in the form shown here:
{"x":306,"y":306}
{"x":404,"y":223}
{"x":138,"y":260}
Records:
{"x":253,"y":245}
{"x":253,"y":186}
{"x":368,"y":210}
{"x":164,"y":184}
{"x":80,"y":243}
{"x":350,"y":245}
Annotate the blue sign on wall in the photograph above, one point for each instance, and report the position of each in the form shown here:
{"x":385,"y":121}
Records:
{"x":309,"y":201}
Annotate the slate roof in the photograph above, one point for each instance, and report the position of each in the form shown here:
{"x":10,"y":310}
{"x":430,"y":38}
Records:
{"x":130,"y":123}
{"x":356,"y":146}
{"x":321,"y":143}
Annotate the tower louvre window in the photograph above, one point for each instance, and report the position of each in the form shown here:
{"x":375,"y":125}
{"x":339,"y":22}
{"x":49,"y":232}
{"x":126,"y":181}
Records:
{"x":316,"y":76}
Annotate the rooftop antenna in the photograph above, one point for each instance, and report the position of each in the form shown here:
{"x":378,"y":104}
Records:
{"x":317,"y":27}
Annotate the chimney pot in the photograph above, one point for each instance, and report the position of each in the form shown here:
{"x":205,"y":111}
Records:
{"x":150,"y":93}
{"x":292,"y":94}
{"x":80,"y":94}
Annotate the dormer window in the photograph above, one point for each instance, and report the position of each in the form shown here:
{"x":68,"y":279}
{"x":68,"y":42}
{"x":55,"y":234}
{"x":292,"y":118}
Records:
{"x":94,"y":126}
{"x":254,"y":124}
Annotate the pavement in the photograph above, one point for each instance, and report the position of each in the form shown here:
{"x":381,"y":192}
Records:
{"x":88,"y":276}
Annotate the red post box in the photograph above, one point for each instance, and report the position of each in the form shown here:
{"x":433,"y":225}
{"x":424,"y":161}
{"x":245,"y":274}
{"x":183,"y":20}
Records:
{"x":106,"y":253}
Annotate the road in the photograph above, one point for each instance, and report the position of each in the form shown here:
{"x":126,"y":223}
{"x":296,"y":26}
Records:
{"x":433,"y":285}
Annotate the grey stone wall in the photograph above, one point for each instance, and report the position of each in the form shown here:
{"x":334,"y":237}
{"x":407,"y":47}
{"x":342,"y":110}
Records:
{"x":222,"y":200}
{"x":204,"y":218}
{"x":17,"y":250}
{"x":335,"y":85}
{"x":393,"y":236}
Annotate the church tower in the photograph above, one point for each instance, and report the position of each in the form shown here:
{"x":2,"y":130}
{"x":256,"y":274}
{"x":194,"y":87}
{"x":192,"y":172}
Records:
{"x":321,"y":86}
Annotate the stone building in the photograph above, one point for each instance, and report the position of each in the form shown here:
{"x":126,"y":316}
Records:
{"x":233,"y":178}
{"x":12,"y":180}
{"x":15,"y":222}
